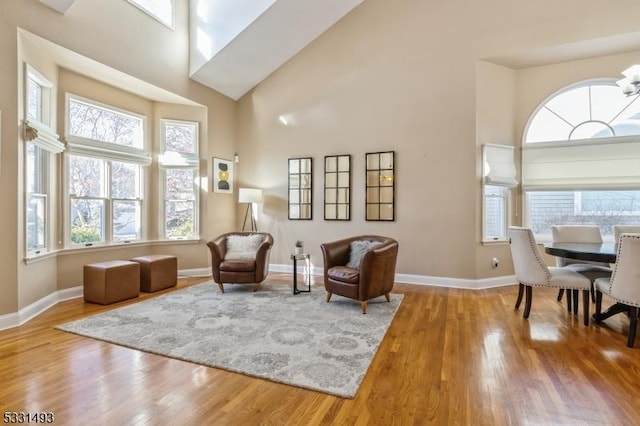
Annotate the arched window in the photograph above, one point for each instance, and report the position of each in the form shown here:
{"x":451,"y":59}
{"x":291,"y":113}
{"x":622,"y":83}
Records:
{"x":581,"y":159}
{"x":585,"y":111}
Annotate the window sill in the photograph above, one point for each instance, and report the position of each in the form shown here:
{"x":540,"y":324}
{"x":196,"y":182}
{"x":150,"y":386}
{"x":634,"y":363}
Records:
{"x":33,"y":258}
{"x":495,"y":242}
{"x":118,"y":246}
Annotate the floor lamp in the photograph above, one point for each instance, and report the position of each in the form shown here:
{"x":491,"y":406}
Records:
{"x":249,"y":196}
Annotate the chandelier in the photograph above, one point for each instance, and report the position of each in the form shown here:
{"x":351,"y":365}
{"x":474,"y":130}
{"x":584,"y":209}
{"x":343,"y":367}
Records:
{"x":630,"y":84}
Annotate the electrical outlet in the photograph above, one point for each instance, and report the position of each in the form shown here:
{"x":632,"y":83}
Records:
{"x":495,"y":262}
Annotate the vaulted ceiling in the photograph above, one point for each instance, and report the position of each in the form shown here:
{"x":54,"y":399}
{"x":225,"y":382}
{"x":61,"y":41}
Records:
{"x":235,"y":44}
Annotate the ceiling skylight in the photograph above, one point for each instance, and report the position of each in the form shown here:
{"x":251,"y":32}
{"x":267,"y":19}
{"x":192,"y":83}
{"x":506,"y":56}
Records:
{"x":162,"y":10}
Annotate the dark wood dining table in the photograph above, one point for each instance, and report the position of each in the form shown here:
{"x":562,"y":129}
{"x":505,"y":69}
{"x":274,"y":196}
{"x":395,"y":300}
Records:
{"x":604,"y":252}
{"x":594,"y":252}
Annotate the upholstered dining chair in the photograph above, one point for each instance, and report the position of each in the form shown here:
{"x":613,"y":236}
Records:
{"x":624,"y":229}
{"x":624,"y":284}
{"x":360,"y":268}
{"x":531,"y":271}
{"x":591,"y":270}
{"x":240,"y":258}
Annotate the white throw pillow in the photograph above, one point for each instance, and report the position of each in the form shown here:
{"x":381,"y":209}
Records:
{"x":241,"y":247}
{"x":358,"y":249}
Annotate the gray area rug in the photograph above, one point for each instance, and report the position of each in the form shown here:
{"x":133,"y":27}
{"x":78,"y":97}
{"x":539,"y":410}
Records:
{"x":299,"y":340}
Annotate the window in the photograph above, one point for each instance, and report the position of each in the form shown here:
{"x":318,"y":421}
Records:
{"x":93,"y":122}
{"x":585,"y":111}
{"x":36,"y":211}
{"x":495,"y":213}
{"x":499,"y":171}
{"x":162,"y":10}
{"x":40,"y":142}
{"x":180,"y":165}
{"x":580,"y":163}
{"x":105,"y":173}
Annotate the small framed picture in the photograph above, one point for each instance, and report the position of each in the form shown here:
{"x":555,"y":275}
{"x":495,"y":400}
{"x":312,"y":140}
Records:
{"x":222,"y":176}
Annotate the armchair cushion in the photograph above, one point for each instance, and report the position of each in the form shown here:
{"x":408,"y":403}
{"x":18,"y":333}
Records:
{"x":242,"y":247}
{"x":357,"y":251}
{"x":238,"y":265}
{"x":344,"y":273}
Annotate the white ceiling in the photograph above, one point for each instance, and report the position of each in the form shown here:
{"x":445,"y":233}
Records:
{"x":235,"y":44}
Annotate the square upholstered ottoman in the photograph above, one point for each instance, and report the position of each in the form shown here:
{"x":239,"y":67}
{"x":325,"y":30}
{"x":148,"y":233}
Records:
{"x":157,"y":272}
{"x":112,"y":281}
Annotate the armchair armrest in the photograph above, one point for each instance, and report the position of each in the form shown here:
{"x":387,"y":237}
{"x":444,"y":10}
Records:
{"x":377,"y":269}
{"x":218,"y":248}
{"x":262,"y":258}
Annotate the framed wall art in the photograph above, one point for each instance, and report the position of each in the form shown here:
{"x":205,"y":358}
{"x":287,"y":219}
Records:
{"x":222,"y":176}
{"x":380,"y":186}
{"x":337,"y":187}
{"x":300,"y":188}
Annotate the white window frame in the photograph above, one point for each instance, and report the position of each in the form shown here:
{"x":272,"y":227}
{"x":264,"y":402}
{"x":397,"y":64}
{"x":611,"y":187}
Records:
{"x":183,"y":161}
{"x":498,"y":170}
{"x":44,"y":147}
{"x":107,"y":152}
{"x":505,"y":199}
{"x":574,"y":165}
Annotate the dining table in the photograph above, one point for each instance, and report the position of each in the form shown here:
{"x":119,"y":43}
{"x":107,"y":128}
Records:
{"x":593,"y":252}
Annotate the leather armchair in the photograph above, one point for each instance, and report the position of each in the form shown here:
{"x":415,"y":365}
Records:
{"x":240,"y":271}
{"x":374,"y":277}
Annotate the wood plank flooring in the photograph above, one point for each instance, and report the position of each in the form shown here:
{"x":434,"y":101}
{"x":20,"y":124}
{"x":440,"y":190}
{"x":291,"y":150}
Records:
{"x":450,"y":357}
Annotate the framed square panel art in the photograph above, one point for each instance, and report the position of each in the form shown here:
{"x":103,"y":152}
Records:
{"x":337,"y":187}
{"x":300,"y":188}
{"x":380,"y":198}
{"x":222,"y":176}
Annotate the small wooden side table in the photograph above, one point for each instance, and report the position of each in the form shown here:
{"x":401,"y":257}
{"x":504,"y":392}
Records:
{"x":307,"y":258}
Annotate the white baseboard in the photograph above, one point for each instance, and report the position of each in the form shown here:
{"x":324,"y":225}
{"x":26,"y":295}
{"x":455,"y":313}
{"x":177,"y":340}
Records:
{"x":27,"y":313}
{"x":423,"y":279}
{"x":196,"y":272}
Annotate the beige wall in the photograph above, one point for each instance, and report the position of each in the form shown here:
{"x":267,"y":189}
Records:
{"x":361,"y":88}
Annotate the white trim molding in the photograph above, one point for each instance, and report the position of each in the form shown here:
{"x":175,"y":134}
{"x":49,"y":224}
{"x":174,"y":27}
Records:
{"x":471,"y":284}
{"x":33,"y":310}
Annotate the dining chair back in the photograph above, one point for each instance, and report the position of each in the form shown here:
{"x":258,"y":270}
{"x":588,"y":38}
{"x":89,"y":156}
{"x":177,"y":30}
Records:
{"x":591,"y":270}
{"x":575,"y":234}
{"x":623,"y":229}
{"x":528,"y":264}
{"x":531,"y":271}
{"x":624,"y":284}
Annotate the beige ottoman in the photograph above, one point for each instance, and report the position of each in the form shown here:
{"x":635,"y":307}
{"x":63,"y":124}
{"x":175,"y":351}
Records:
{"x":112,"y":281}
{"x":157,"y":272}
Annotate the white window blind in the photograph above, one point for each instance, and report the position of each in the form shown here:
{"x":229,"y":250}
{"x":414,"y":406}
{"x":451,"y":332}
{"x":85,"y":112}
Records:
{"x":499,"y":167}
{"x":42,"y":136}
{"x":589,"y":165}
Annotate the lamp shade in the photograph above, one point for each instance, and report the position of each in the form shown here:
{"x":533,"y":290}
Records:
{"x":249,"y":195}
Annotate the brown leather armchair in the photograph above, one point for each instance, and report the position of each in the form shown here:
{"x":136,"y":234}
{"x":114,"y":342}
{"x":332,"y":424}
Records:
{"x":243,"y":270}
{"x":373,"y":278}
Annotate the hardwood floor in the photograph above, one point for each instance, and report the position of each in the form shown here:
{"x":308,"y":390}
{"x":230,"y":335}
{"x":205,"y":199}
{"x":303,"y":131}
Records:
{"x":450,"y":357}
